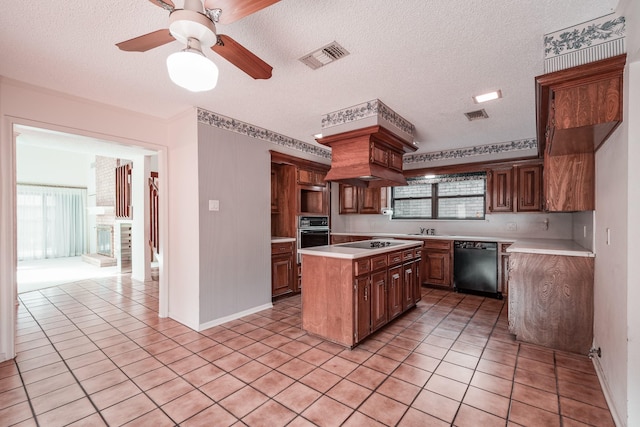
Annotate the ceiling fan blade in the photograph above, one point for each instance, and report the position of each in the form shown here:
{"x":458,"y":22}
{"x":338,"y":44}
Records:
{"x":165,"y":4}
{"x":242,"y":58}
{"x":147,"y":41}
{"x":232,"y":10}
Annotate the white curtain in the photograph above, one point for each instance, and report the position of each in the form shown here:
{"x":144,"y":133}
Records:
{"x":52,"y":222}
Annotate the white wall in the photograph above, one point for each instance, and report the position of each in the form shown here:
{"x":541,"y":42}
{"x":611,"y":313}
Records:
{"x":183,"y":255}
{"x":235,"y":249}
{"x":27,"y":105}
{"x":40,"y":165}
{"x":616,"y":290}
{"x":494,"y":225}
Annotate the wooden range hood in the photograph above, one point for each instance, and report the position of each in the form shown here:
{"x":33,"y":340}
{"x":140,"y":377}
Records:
{"x":367,"y":157}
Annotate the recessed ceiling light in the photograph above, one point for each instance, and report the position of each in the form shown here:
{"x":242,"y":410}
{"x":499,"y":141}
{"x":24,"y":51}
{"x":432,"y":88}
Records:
{"x":317,"y":136}
{"x":487,"y":96}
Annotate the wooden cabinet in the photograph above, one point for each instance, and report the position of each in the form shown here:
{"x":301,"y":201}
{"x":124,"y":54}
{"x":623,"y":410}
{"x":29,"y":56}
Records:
{"x":569,"y":182}
{"x":551,"y":300}
{"x":438,"y":262}
{"x":311,"y":177}
{"x":282,"y":268}
{"x":359,"y":200}
{"x":579,"y":107}
{"x":346,"y":300}
{"x":515,"y":188}
{"x":528,"y":188}
{"x":297,"y":188}
{"x":379,"y":312}
{"x":274,"y":188}
{"x":500,"y":186}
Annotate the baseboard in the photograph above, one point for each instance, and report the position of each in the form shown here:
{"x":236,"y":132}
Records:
{"x":221,"y":320}
{"x":607,"y":393}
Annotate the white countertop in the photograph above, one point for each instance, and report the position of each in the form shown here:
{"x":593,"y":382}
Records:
{"x":549,"y":247}
{"x":282,"y":239}
{"x":565,"y":247}
{"x":340,"y":251}
{"x":432,"y":237}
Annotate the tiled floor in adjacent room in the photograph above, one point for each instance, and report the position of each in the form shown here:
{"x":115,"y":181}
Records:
{"x":95,"y":353}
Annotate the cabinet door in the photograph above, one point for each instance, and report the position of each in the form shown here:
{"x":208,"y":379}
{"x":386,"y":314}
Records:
{"x":306,"y":177}
{"x":274,"y":190}
{"x":408,"y":285}
{"x":569,"y":182}
{"x":395,"y":291}
{"x":417,"y":283}
{"x":281,"y":277}
{"x":529,"y":188}
{"x":369,"y":200}
{"x":348,"y":199}
{"x":363,"y":307}
{"x":500,"y":186}
{"x":378,"y":299}
{"x":438,"y":268}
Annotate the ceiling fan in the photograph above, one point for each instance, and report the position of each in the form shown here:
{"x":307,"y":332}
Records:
{"x":194,"y":26}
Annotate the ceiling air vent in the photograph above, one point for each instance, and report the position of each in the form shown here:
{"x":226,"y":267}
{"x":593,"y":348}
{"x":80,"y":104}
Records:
{"x":323,"y":56}
{"x":476,"y":115}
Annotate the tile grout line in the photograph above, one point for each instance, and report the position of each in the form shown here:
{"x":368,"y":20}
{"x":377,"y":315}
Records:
{"x":99,"y":348}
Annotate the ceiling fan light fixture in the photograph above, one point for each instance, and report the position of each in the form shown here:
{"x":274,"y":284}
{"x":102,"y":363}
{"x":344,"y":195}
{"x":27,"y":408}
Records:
{"x":191,"y":70}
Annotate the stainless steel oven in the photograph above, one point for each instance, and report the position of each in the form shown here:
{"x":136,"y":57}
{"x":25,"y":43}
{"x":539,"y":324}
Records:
{"x":312,"y":231}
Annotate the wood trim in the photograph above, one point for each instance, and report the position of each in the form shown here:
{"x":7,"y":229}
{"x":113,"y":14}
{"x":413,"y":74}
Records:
{"x":472,"y":167}
{"x":281,"y":158}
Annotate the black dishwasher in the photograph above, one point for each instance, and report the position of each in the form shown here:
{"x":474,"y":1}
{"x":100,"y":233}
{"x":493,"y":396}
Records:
{"x":475,"y":268}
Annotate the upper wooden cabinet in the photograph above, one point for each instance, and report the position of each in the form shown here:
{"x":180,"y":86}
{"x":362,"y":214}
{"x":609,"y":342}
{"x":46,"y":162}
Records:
{"x":515,"y":188}
{"x":311,"y":177}
{"x":578,"y":108}
{"x":359,"y":200}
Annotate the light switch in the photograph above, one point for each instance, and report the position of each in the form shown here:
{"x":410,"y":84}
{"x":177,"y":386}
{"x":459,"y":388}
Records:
{"x":214,"y":205}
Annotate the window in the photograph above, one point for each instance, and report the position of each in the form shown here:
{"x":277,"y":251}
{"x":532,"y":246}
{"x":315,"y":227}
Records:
{"x":457,"y":196}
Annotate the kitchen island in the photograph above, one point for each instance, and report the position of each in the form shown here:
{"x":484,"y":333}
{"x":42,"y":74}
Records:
{"x":350,"y":290}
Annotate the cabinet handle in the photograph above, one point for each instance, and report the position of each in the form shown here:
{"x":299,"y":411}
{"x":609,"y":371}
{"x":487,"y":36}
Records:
{"x":395,"y":276}
{"x":366,"y":293}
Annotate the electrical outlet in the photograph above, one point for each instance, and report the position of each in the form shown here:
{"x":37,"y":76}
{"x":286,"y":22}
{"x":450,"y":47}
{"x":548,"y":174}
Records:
{"x":512,"y":226}
{"x":214,"y":205}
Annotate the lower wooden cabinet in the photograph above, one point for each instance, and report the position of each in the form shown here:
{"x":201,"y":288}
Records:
{"x":551,"y":300}
{"x":283,"y":280}
{"x":378,"y":303}
{"x":438,"y":262}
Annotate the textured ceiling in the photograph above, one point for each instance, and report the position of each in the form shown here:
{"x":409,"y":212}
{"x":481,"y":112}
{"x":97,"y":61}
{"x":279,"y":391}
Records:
{"x":423,"y":58}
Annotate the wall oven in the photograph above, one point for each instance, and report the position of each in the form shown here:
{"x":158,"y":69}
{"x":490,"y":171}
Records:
{"x":312,"y":231}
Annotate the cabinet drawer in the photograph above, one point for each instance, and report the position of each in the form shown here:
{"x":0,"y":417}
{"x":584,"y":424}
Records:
{"x":281,"y":248}
{"x":362,"y":266}
{"x":378,"y":262}
{"x":395,"y":258}
{"x":407,"y":255}
{"x":417,"y":253}
{"x":443,"y":245}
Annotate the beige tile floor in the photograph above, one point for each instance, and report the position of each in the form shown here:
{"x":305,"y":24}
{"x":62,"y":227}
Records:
{"x":94,"y":353}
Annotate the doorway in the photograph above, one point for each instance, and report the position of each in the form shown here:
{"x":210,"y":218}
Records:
{"x":57,"y":161}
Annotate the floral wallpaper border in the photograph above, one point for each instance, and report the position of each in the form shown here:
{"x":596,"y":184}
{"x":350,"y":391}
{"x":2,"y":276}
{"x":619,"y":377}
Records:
{"x":597,"y":31}
{"x":591,"y":41}
{"x":367,"y":109}
{"x":233,"y":125}
{"x":480,"y":150}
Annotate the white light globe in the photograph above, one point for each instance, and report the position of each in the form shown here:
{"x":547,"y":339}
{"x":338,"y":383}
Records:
{"x":191,"y":70}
